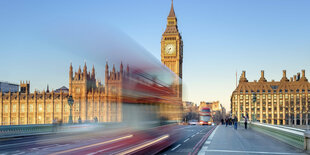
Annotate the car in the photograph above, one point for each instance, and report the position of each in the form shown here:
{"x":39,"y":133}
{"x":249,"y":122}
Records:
{"x":193,"y":122}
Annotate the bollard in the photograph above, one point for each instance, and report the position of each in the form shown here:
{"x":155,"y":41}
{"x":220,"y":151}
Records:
{"x":307,"y":141}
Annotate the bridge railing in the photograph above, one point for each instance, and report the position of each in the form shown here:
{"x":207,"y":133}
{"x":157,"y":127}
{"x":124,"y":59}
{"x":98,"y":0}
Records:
{"x":292,"y":136}
{"x":37,"y":129}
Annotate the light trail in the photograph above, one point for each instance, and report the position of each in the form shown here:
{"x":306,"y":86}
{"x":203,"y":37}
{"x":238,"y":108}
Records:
{"x":92,"y":145}
{"x":144,"y":145}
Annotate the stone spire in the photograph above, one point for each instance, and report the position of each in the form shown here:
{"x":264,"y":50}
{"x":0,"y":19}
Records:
{"x":70,"y":73}
{"x":93,"y":73}
{"x":85,"y":72}
{"x":171,"y":13}
{"x":79,"y":71}
{"x":106,"y":71}
{"x":47,"y":89}
{"x":121,"y":68}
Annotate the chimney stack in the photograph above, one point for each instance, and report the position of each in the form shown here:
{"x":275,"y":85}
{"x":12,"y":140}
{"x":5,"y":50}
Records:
{"x":303,"y":72}
{"x":298,"y":76}
{"x":243,"y":78}
{"x":262,"y":78}
{"x":284,"y":76}
{"x":243,"y":74}
{"x":303,"y":78}
{"x":284,"y":73}
{"x":294,"y":77}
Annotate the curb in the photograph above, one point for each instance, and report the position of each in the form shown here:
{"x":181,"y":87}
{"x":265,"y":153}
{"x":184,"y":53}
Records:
{"x":201,"y":142}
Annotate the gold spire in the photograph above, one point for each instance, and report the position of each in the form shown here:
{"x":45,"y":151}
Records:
{"x":171,"y":14}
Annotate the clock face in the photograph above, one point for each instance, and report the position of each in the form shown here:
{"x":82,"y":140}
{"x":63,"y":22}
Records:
{"x":170,"y":49}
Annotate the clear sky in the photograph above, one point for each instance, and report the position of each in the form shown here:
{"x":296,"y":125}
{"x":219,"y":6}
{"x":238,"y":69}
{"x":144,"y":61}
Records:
{"x":220,"y":38}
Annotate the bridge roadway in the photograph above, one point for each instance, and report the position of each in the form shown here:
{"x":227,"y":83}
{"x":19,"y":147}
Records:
{"x":106,"y":142}
{"x":228,"y":141}
{"x":193,"y":140}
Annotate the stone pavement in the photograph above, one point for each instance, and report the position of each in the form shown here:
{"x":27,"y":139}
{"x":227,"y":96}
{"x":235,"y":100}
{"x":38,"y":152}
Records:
{"x":226,"y":140}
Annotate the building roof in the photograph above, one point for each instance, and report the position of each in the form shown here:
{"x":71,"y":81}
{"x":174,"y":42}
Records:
{"x":171,"y":13}
{"x":63,"y":89}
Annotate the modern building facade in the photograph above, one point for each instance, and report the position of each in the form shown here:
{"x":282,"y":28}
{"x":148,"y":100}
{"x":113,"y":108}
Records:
{"x":284,"y":102}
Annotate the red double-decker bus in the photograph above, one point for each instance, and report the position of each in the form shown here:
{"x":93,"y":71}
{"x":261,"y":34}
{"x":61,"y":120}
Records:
{"x":205,"y":116}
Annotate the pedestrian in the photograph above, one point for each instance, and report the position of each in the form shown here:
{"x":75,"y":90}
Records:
{"x":235,"y":123}
{"x":245,"y":122}
{"x":226,"y":121}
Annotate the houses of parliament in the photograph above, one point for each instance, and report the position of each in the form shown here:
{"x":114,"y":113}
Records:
{"x":92,"y":100}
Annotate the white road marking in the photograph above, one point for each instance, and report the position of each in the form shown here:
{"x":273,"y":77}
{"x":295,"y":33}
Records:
{"x":255,"y":152}
{"x":192,"y":136}
{"x":186,"y":140}
{"x":204,"y":149}
{"x":176,"y":147}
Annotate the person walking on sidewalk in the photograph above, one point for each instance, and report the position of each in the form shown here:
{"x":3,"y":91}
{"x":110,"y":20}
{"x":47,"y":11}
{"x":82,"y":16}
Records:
{"x":226,"y":121}
{"x":245,"y":122}
{"x":235,"y":123}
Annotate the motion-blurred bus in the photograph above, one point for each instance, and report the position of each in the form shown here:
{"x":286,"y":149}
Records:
{"x":205,"y":116}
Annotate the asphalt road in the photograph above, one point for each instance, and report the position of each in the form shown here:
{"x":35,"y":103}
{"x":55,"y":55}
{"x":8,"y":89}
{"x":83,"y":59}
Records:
{"x":191,"y":136}
{"x":108,"y":142}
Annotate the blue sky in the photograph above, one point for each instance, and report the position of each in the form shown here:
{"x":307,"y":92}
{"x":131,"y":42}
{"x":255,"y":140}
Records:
{"x":220,"y":38}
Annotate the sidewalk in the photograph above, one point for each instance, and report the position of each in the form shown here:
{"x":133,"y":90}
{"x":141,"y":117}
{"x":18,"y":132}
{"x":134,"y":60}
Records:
{"x":226,"y":140}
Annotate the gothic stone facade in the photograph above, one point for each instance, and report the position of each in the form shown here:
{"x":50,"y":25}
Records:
{"x":91,"y":100}
{"x":284,"y":102}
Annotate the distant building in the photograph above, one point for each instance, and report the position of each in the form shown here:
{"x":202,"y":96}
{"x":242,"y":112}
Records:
{"x":284,"y":102}
{"x":214,"y":106}
{"x":189,"y":107}
{"x":6,"y":87}
{"x":62,"y":89}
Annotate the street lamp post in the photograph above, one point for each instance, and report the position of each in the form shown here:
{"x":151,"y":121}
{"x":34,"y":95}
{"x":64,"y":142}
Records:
{"x":70,"y":102}
{"x":254,"y":107}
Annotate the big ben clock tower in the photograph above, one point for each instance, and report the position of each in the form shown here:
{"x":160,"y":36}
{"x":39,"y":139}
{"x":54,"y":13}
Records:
{"x":172,"y":45}
{"x":172,"y":48}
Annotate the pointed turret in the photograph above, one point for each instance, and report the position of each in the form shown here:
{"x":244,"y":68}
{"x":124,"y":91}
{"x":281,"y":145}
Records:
{"x":85,"y":71}
{"x":106,"y":71}
{"x":70,"y":73}
{"x":79,"y":71}
{"x":47,"y":89}
{"x":93,"y":73}
{"x":127,"y":70}
{"x":171,"y":22}
{"x":171,"y":13}
{"x":113,"y":72}
{"x":121,"y":68}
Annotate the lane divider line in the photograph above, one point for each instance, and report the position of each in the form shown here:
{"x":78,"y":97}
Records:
{"x":186,"y":140}
{"x":176,"y":147}
{"x":92,"y":145}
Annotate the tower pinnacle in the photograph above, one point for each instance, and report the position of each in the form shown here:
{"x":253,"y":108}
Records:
{"x":171,"y":14}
